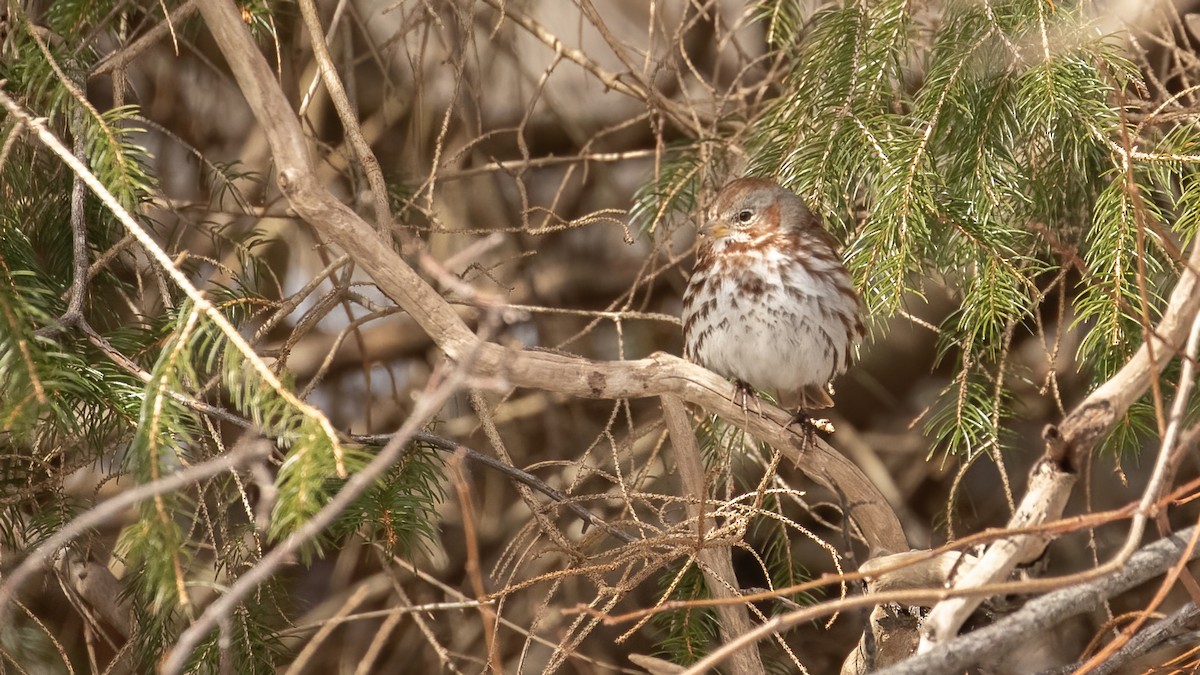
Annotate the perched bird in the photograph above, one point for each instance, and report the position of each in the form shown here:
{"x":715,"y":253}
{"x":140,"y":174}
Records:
{"x":769,"y":302}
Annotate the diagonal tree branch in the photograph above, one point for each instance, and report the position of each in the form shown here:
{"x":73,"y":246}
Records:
{"x":345,"y":111}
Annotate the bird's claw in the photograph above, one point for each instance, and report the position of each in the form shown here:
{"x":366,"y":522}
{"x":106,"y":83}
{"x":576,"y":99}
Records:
{"x":743,"y":393}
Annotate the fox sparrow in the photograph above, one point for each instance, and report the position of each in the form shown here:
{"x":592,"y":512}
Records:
{"x":769,"y":302}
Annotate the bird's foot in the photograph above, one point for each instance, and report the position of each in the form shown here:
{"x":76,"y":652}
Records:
{"x":743,"y":393}
{"x":810,"y":425}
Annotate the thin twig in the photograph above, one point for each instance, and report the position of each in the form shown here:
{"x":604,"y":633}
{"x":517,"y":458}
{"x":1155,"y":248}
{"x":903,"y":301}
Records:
{"x":167,"y":265}
{"x":426,"y":407}
{"x":341,"y":103}
{"x":326,"y":628}
{"x":1040,"y":614}
{"x":474,"y":571}
{"x":79,"y":246}
{"x":123,"y":57}
{"x":522,"y":477}
{"x":342,"y":618}
{"x":102,"y":513}
{"x":509,"y":166}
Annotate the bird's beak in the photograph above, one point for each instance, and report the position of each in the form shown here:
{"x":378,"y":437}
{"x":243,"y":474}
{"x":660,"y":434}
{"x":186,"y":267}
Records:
{"x":714,"y":228}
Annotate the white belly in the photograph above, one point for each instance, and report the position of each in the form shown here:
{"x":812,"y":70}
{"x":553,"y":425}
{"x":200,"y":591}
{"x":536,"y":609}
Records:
{"x":774,"y":340}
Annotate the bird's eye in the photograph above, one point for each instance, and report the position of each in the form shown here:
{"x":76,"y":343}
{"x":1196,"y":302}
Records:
{"x":745,"y":216}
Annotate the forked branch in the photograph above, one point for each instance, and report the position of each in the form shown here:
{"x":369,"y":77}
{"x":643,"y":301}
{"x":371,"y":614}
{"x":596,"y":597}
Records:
{"x":653,"y":376}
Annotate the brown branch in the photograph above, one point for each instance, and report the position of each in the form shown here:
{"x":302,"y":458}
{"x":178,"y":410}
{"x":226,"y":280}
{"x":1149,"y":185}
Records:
{"x":79,"y":242}
{"x":474,"y":572}
{"x":123,"y":57}
{"x":715,"y":561}
{"x":346,"y":113}
{"x":653,"y":376}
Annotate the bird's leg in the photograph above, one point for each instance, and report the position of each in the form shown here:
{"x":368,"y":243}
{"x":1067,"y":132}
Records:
{"x":808,"y":428}
{"x":800,"y":417}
